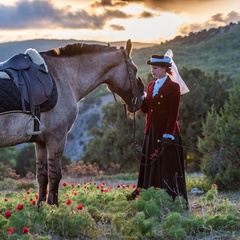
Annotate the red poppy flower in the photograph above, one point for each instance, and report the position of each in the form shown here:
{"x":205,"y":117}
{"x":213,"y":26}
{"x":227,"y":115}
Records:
{"x":104,"y":190}
{"x":20,"y":206}
{"x":33,"y":202}
{"x":79,"y":207}
{"x":214,"y":185}
{"x":64,"y":184}
{"x":11,"y":230}
{"x":5,"y":199}
{"x":68,"y":201}
{"x":25,"y":230}
{"x":8,"y":213}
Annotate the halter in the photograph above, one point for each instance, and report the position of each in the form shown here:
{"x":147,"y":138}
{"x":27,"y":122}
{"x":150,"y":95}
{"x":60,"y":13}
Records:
{"x":134,"y":99}
{"x":129,"y":77}
{"x":128,"y":59}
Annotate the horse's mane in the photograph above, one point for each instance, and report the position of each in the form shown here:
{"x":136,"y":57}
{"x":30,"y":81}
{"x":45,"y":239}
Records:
{"x":79,"y":48}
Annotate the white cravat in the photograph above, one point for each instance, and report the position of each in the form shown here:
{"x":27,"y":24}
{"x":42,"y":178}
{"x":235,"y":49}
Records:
{"x":158,"y":84}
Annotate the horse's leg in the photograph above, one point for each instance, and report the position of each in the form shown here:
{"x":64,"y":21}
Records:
{"x":42,"y":171}
{"x":55,"y":151}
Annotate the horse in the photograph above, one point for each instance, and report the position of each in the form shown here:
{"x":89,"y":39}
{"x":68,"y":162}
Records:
{"x":77,"y":69}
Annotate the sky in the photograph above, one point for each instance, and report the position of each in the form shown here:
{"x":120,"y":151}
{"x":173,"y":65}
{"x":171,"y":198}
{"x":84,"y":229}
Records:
{"x":151,"y":21}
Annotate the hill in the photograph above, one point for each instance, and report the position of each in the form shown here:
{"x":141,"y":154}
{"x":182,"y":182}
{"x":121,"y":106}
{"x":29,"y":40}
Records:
{"x":216,"y":49}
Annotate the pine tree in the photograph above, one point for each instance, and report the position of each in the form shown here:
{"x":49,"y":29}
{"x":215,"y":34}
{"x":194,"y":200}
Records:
{"x":220,"y":143}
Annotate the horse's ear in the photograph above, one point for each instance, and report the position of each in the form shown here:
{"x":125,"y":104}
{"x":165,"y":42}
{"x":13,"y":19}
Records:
{"x":129,"y":47}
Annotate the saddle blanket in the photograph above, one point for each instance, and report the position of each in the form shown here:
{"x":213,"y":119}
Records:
{"x":10,"y":98}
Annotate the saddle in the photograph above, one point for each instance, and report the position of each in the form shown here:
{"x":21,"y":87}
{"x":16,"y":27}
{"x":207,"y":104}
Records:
{"x":33,"y":82}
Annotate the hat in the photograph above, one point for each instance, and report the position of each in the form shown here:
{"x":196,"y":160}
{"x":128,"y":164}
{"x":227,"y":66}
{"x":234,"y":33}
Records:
{"x":160,"y":60}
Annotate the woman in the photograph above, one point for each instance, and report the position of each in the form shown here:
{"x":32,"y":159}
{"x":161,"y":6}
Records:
{"x":162,"y":163}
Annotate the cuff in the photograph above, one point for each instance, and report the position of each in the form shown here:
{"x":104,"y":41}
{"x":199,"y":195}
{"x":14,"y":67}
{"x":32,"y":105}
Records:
{"x":144,"y":95}
{"x":168,"y":136}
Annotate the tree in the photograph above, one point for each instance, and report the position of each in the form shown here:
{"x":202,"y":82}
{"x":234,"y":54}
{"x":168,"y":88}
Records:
{"x":220,"y":143}
{"x":8,"y":156}
{"x":205,"y":91}
{"x":112,"y":142}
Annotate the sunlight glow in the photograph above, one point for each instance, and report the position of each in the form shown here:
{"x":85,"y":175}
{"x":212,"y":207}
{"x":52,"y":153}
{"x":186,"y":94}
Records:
{"x":159,"y":28}
{"x":133,"y":9}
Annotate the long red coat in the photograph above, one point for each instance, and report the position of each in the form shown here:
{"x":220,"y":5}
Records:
{"x":163,"y":108}
{"x":166,"y":172}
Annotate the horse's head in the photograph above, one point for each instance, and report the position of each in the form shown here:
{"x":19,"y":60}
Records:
{"x":122,"y":78}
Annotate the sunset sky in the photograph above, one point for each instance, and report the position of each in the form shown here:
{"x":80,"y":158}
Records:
{"x":112,"y":20}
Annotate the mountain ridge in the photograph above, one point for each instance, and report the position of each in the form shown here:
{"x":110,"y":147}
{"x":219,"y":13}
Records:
{"x":8,"y":49}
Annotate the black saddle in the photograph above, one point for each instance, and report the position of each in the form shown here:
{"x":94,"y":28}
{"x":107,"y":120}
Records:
{"x":34,"y":83}
{"x":32,"y":80}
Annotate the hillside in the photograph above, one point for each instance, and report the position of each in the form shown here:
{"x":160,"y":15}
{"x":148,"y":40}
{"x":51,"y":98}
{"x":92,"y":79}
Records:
{"x":212,"y":50}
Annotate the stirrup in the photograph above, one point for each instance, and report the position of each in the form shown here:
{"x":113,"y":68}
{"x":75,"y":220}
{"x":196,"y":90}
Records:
{"x":34,"y":132}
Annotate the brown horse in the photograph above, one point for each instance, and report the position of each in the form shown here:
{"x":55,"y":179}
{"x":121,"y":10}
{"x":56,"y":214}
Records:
{"x":77,"y":69}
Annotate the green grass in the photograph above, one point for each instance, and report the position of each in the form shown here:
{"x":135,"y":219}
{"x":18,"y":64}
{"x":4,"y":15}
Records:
{"x":100,"y":211}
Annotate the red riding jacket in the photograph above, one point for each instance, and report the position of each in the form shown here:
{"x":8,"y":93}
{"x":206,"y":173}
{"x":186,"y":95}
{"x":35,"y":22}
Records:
{"x":163,"y":108}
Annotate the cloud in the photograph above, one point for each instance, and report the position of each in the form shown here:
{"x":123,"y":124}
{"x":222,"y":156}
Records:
{"x":44,"y":14}
{"x":214,"y":21}
{"x":107,"y":3}
{"x":146,"y":14}
{"x":178,"y":6}
{"x":117,"y":27}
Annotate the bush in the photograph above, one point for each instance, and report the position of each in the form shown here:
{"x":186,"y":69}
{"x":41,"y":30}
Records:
{"x":220,"y":144}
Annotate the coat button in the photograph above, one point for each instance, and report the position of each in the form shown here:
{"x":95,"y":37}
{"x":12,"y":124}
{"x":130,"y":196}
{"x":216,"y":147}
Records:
{"x":151,"y":110}
{"x":158,"y":102}
{"x":161,"y":96}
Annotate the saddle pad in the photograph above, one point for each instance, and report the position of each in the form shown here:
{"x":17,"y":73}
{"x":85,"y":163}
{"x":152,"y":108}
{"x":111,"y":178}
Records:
{"x":10,"y":98}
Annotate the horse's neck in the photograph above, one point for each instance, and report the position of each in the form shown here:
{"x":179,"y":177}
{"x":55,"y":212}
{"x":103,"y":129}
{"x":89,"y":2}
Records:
{"x":74,"y":73}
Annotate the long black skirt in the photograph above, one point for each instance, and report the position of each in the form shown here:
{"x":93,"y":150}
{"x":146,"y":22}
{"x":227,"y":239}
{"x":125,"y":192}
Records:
{"x":166,"y":172}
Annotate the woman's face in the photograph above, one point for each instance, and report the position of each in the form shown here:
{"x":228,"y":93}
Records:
{"x":158,"y":71}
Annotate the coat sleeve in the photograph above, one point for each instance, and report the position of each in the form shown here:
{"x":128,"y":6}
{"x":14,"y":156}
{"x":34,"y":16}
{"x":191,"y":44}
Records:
{"x":174,"y":104}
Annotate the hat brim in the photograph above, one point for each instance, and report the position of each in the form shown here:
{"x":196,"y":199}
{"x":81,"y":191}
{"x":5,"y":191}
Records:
{"x":161,"y":64}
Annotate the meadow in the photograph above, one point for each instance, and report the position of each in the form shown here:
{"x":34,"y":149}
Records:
{"x":99,"y":208}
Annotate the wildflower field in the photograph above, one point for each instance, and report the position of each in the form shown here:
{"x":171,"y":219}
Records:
{"x":97,"y":210}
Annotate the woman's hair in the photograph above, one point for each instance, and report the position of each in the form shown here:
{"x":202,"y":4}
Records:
{"x":169,"y":71}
